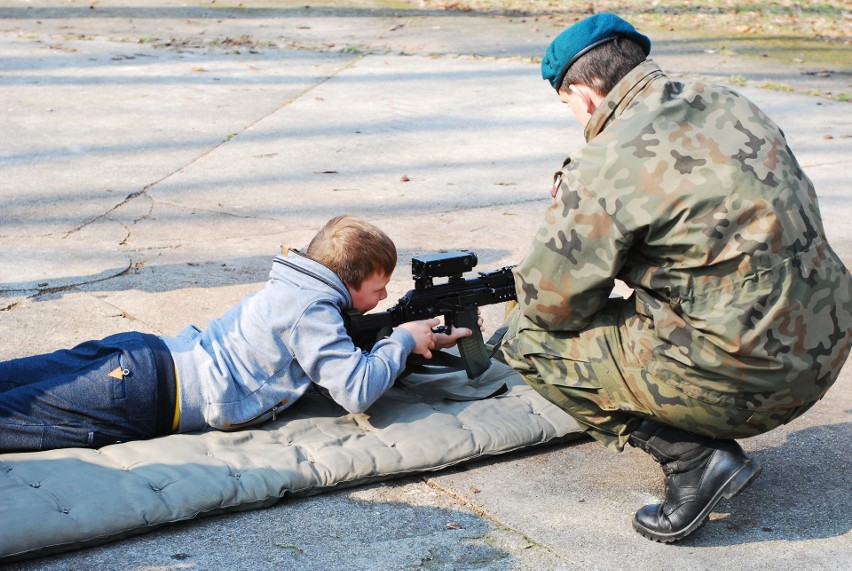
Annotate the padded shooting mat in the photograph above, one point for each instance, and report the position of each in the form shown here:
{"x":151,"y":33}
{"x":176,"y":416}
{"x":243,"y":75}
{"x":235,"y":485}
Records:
{"x":60,"y":500}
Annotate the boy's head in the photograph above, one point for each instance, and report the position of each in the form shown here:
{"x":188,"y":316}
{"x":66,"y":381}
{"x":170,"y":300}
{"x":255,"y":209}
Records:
{"x":360,"y":254}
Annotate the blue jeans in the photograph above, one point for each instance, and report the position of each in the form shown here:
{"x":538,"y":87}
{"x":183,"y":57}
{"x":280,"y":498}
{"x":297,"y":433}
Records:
{"x":100,"y":392}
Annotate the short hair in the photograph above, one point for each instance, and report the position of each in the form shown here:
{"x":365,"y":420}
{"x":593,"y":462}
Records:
{"x":353,"y":249}
{"x":602,"y":67}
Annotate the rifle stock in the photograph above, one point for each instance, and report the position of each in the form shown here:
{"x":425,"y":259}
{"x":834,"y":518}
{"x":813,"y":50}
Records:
{"x":457,"y":300}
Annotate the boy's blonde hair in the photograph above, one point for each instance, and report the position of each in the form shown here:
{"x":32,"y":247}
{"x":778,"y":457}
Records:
{"x":353,"y":249}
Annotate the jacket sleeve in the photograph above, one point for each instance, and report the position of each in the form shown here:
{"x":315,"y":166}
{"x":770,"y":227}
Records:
{"x":568,"y":275}
{"x":328,"y":356}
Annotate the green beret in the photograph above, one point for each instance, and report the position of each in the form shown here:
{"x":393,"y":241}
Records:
{"x":580,"y":38}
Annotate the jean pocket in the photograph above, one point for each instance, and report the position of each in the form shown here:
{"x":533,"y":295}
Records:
{"x":118,"y":377}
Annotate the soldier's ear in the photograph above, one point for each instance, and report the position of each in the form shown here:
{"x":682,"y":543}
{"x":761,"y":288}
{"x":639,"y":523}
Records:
{"x":588,"y":98}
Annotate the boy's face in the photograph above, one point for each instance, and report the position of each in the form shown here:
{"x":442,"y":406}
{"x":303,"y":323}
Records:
{"x":372,"y":291}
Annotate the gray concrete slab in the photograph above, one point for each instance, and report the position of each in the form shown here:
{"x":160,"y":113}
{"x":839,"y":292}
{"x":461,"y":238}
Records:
{"x":154,"y":157}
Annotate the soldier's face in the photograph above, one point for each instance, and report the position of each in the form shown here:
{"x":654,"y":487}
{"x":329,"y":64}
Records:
{"x":578,"y":101}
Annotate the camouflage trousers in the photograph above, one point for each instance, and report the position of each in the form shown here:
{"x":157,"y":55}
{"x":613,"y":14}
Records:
{"x":591,"y":376}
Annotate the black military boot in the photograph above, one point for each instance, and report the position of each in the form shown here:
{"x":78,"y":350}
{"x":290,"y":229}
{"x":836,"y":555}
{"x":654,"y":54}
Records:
{"x":699,"y":472}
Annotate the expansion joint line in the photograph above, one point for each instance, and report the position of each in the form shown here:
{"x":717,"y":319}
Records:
{"x":230,"y":136}
{"x":485,"y":515}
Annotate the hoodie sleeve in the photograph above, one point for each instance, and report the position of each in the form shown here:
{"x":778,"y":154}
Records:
{"x":355,"y":379}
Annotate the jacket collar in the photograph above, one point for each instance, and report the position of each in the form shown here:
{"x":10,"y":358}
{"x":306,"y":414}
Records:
{"x":620,"y":97}
{"x":299,"y":262}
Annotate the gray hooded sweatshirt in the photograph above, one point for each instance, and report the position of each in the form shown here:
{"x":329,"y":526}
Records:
{"x":262,"y":355}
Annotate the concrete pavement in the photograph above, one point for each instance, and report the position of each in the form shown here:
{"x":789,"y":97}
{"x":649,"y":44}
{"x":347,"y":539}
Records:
{"x":153,"y":157}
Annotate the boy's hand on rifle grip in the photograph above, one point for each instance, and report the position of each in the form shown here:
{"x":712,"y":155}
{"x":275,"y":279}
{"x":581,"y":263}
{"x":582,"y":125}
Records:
{"x":444,"y":340}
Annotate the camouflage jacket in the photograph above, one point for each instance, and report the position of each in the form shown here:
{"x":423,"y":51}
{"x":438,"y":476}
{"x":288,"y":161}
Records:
{"x":690,"y":195}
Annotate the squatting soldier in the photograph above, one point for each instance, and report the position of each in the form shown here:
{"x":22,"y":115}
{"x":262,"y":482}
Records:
{"x":741,"y":313}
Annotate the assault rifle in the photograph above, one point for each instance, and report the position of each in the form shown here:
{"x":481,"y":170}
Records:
{"x":457,"y":300}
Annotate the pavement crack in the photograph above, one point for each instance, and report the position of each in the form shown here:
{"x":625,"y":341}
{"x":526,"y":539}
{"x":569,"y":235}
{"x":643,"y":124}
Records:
{"x":234,"y":134}
{"x":144,"y":192}
{"x":103,"y":215}
{"x":122,"y":313}
{"x":42,"y":291}
{"x":11,"y":306}
{"x":481,"y":512}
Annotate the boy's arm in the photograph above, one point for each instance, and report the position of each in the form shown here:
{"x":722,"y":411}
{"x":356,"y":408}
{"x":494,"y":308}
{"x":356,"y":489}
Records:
{"x":355,"y":379}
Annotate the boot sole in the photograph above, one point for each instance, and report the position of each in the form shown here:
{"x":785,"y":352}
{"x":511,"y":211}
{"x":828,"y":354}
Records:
{"x":739,"y":481}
